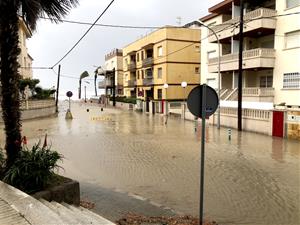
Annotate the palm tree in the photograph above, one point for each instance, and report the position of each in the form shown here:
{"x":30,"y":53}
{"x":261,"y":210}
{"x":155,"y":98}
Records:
{"x":95,"y":80}
{"x":10,"y":11}
{"x":83,"y":75}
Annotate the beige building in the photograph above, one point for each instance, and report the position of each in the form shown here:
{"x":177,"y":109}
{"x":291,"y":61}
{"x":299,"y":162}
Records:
{"x":113,"y":73}
{"x":271,"y":56}
{"x":271,"y":50}
{"x":168,"y":55}
{"x":25,"y":60}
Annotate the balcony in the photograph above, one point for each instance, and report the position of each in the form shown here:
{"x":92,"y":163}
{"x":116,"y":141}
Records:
{"x":148,"y":81}
{"x":254,"y":58}
{"x":105,"y":83}
{"x":148,"y":62}
{"x":256,"y":21}
{"x":131,"y":83}
{"x":131,"y":66}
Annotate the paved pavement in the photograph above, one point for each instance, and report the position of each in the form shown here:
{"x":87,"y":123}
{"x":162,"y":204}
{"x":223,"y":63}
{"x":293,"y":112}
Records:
{"x":114,"y":204}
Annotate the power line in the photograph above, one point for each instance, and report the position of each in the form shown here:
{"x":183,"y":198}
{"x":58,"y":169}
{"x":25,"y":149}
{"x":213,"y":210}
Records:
{"x":106,"y":25}
{"x":88,"y":30}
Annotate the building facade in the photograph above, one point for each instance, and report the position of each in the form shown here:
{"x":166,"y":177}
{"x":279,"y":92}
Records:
{"x":271,"y":50}
{"x":25,"y":60}
{"x":156,"y":65}
{"x":271,"y":56}
{"x":113,"y":73}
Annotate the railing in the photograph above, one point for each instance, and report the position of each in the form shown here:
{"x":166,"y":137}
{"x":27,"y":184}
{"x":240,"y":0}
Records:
{"x":257,"y":52}
{"x":148,"y":81}
{"x":258,"y":91}
{"x":131,"y":83}
{"x":37,"y":104}
{"x":247,"y":113}
{"x":131,"y":66}
{"x":104,"y":83}
{"x":148,"y":62}
{"x":255,"y":14}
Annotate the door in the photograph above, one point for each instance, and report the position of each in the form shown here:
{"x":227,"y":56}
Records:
{"x":278,"y":121}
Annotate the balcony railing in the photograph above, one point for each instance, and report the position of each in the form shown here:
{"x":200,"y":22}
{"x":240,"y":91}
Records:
{"x":105,"y":83}
{"x":148,"y":81}
{"x":131,"y":83}
{"x":254,"y":15}
{"x":147,"y":62}
{"x":258,"y":92}
{"x":131,"y":66}
{"x":257,"y":52}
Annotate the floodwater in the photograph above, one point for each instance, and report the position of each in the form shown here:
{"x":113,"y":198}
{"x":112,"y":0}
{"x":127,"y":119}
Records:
{"x":251,"y":179}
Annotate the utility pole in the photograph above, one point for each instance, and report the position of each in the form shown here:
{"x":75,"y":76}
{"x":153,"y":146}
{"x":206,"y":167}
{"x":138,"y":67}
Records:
{"x":240,"y":78}
{"x":114,"y":86}
{"x":57,"y":88}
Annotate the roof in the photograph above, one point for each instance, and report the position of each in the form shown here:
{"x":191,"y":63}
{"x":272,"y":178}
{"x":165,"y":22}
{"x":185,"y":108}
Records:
{"x":208,"y":17}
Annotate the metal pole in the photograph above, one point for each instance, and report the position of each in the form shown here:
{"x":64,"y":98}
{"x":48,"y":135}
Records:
{"x":69,"y":104}
{"x":203,"y":112}
{"x":219,"y":70}
{"x":240,"y":81}
{"x":57,"y":88}
{"x":114,"y":87}
{"x":84,"y":93}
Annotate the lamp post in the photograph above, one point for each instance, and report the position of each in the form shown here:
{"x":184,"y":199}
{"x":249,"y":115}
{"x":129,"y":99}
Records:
{"x":219,"y":67}
{"x":166,"y":103}
{"x":184,"y":85}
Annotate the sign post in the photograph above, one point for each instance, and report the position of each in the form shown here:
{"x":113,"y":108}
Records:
{"x":69,"y":114}
{"x":202,"y":102}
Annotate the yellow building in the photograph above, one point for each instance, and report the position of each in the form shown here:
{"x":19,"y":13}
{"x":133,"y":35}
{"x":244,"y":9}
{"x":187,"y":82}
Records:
{"x":25,"y":60}
{"x":169,"y":55}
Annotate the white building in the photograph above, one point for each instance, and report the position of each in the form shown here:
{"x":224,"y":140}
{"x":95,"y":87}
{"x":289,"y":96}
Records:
{"x":271,"y":56}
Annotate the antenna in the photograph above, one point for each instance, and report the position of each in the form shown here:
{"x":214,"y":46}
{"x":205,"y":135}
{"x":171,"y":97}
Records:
{"x":178,"y":20}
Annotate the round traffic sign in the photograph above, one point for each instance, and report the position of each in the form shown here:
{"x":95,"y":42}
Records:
{"x":69,"y":94}
{"x":194,"y":101}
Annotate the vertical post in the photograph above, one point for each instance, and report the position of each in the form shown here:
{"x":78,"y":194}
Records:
{"x":203,"y":115}
{"x":70,"y":104}
{"x":114,"y":87}
{"x":57,"y":88}
{"x":219,"y":79}
{"x":241,"y":38}
{"x":84,"y":93}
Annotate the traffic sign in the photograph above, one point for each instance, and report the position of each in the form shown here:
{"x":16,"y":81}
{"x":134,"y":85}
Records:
{"x":69,"y":94}
{"x":194,"y":101}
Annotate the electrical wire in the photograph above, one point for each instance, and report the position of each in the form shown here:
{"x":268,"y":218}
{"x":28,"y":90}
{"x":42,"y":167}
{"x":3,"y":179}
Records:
{"x":80,"y":39}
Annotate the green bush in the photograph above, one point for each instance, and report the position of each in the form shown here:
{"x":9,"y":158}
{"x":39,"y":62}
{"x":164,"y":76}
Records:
{"x":33,"y":169}
{"x":124,"y":99}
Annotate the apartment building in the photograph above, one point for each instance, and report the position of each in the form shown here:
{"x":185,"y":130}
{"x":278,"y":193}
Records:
{"x":271,"y":54}
{"x":156,"y":65}
{"x":25,"y":60}
{"x":113,"y":73}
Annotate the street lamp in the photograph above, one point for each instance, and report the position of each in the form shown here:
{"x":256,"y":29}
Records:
{"x":184,"y":85}
{"x":219,"y":67}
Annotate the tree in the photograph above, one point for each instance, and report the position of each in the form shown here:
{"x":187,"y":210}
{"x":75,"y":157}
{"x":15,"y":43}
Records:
{"x":95,"y":81}
{"x":83,"y":75}
{"x":10,"y":12}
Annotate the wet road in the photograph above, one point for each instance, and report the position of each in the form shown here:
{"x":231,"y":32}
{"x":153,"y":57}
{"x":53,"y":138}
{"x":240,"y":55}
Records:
{"x":252,"y":179}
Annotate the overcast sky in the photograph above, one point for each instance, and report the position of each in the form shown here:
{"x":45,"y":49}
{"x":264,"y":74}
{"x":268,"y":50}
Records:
{"x":51,"y":41}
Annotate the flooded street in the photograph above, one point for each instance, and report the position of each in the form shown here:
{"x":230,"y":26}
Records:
{"x":252,"y":179}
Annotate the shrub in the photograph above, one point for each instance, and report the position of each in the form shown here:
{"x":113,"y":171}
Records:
{"x":33,"y":169}
{"x":124,"y":99}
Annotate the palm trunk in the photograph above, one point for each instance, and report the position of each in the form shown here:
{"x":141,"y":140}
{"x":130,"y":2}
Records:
{"x":79,"y":90}
{"x":10,"y":78}
{"x":95,"y":83}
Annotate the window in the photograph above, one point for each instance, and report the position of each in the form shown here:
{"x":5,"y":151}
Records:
{"x":197,"y":70}
{"x":292,"y":3}
{"x":142,"y":74}
{"x":211,"y":54}
{"x":292,"y":39}
{"x":159,"y":93}
{"x":266,"y":81}
{"x":159,"y":51}
{"x":197,"y":48}
{"x":137,"y":57}
{"x":142,"y":55}
{"x":159,"y":72}
{"x":291,"y":80}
